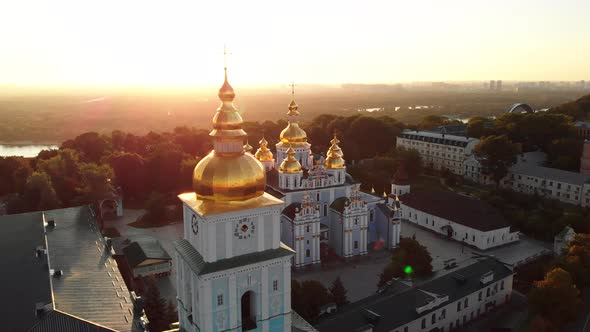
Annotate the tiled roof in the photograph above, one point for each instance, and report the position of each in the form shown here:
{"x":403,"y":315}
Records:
{"x":91,"y":286}
{"x":339,"y":204}
{"x":200,"y":267}
{"x":399,"y":308}
{"x":59,"y":321}
{"x":464,"y":210}
{"x":289,"y":211}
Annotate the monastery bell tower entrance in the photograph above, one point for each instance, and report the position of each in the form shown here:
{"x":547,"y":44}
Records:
{"x":248,"y":311}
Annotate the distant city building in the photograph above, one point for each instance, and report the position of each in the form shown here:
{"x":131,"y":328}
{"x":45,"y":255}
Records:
{"x":499,"y":85}
{"x":444,"y":303}
{"x":562,"y":240}
{"x":458,"y":217}
{"x":58,"y":275}
{"x":438,"y":150}
{"x":565,"y":186}
{"x":492,"y":85}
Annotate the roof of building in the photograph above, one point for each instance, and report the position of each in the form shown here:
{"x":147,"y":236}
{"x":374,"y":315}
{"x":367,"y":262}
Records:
{"x":197,"y":263}
{"x":464,"y":210}
{"x":90,"y":295}
{"x":456,"y":129}
{"x":290,"y":210}
{"x":339,"y":203}
{"x":91,"y":286}
{"x":59,"y":321}
{"x":399,"y":308}
{"x":583,"y":124}
{"x":438,"y":138}
{"x":139,"y":251}
{"x":25,"y":278}
{"x":530,"y":169}
{"x":384,"y":209}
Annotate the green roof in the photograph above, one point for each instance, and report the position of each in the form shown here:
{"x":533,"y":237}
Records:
{"x":200,"y":267}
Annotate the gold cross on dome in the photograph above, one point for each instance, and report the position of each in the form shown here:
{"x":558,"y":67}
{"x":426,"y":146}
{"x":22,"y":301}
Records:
{"x":292,"y":85}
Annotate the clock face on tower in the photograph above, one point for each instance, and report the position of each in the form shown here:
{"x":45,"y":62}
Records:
{"x":244,"y":229}
{"x":195,"y":224}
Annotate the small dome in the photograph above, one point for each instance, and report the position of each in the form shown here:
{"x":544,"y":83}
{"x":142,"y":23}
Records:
{"x":263,"y":153}
{"x":334,"y":156}
{"x":248,"y":148}
{"x":290,"y":164}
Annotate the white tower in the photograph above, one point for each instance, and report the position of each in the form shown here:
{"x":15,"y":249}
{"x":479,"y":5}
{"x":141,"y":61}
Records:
{"x":290,"y":172}
{"x":334,"y":163}
{"x":233,"y":273}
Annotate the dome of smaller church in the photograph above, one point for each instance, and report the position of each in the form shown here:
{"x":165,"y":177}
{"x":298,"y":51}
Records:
{"x":248,"y":148}
{"x":334,"y":156}
{"x":263,"y":153}
{"x":293,"y":134}
{"x":290,"y":164}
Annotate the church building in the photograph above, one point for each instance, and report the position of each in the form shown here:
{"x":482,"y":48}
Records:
{"x":325,"y":209}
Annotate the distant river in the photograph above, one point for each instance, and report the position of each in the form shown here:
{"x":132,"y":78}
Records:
{"x":23,"y":150}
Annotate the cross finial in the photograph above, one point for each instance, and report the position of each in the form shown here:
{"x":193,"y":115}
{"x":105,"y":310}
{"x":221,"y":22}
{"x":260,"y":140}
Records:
{"x":292,"y":85}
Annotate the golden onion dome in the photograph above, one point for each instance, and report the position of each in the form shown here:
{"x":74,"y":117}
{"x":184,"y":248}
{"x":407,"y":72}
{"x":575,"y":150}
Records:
{"x":227,"y":173}
{"x":263,"y":153}
{"x":334,"y":155}
{"x":290,"y":164}
{"x":293,"y":133}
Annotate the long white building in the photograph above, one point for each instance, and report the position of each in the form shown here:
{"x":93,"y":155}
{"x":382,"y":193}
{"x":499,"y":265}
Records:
{"x":442,"y":304}
{"x":438,"y":150}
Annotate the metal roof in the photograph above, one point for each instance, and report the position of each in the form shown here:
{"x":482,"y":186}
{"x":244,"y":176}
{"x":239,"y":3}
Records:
{"x":197,"y":263}
{"x":399,"y":308}
{"x":140,"y":250}
{"x":530,"y":169}
{"x":24,"y":278}
{"x":91,"y":286}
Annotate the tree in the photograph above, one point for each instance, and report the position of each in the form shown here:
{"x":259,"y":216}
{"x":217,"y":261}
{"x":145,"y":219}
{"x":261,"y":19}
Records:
{"x":496,"y":154}
{"x":155,"y":306}
{"x":308,"y":298}
{"x":338,"y":292}
{"x":64,"y":170}
{"x":540,"y":324}
{"x":39,"y":193}
{"x":555,"y":298}
{"x":478,"y":127}
{"x":430,"y":122}
{"x":91,"y":146}
{"x":14,"y":172}
{"x":95,"y":182}
{"x":409,"y":253}
{"x":130,"y":172}
{"x":577,"y":260}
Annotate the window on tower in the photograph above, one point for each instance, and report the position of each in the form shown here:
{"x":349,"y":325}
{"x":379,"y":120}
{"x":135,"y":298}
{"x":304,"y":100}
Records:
{"x":219,"y":299}
{"x":275,"y":285}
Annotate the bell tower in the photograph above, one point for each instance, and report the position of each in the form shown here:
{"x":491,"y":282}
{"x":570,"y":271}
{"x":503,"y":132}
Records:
{"x":233,"y":273}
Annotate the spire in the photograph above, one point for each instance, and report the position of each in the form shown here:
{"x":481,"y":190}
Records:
{"x":292,"y":105}
{"x":263,"y":153}
{"x":248,"y":148}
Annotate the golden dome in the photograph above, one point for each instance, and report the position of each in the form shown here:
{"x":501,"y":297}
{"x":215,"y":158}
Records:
{"x":334,"y":156}
{"x":293,"y":133}
{"x":263,"y":153}
{"x":227,"y":173}
{"x":290,"y":164}
{"x":229,"y":178}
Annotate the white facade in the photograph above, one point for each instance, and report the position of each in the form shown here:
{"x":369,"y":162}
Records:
{"x":449,"y":316}
{"x":480,"y":239}
{"x":439,"y":151}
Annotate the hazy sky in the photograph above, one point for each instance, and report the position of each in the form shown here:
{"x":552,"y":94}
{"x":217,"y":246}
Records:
{"x":171,"y":43}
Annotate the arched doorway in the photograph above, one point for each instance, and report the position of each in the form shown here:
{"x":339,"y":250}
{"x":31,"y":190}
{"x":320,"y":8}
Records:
{"x":248,"y":311}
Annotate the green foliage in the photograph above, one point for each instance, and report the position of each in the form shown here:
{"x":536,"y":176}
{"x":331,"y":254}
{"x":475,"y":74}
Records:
{"x":430,"y":122}
{"x":479,"y":127}
{"x":130,"y":173}
{"x":338,"y":292}
{"x":578,"y":109}
{"x":555,"y":298}
{"x":496,"y":154}
{"x":14,"y":172}
{"x":564,"y":153}
{"x":534,"y":130}
{"x":39,"y":193}
{"x":409,"y":253}
{"x":308,"y":297}
{"x":95,"y":182}
{"x":155,"y":307}
{"x":577,"y":260}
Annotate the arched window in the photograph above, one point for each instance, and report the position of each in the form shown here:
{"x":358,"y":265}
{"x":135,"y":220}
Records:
{"x":423,"y":323}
